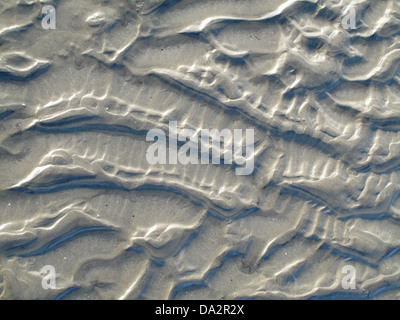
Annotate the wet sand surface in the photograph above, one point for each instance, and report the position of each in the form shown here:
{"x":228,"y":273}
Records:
{"x":76,"y":190}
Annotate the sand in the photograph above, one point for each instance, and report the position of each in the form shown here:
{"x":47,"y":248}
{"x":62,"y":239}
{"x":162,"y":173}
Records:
{"x":76,"y":190}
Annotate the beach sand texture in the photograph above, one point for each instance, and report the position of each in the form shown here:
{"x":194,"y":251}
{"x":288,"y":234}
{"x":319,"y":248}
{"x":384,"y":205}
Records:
{"x":76,"y":191}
